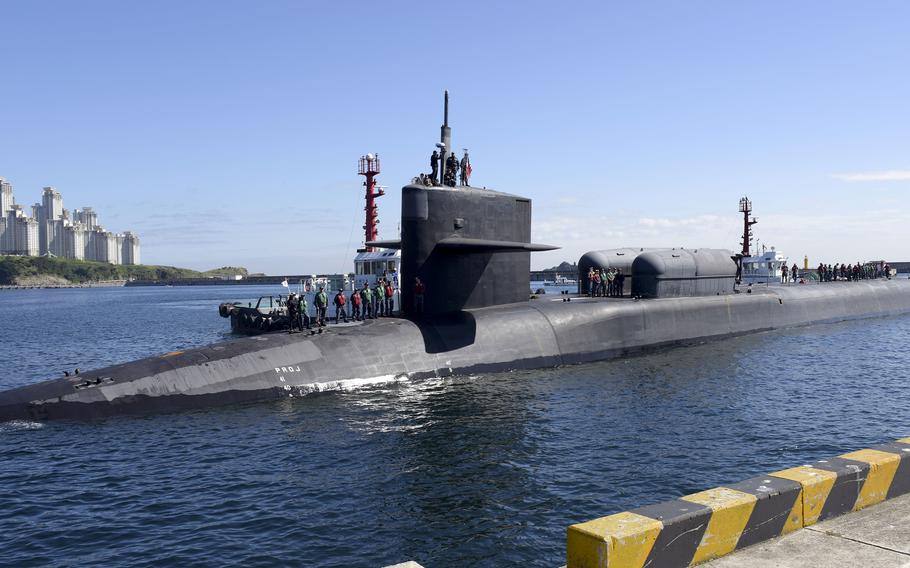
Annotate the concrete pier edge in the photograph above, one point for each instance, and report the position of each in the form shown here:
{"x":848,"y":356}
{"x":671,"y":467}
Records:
{"x":710,"y":524}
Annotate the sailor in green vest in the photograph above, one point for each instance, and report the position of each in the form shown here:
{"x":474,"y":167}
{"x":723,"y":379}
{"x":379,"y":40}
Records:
{"x":377,"y":299}
{"x":367,"y":298}
{"x":322,"y":302}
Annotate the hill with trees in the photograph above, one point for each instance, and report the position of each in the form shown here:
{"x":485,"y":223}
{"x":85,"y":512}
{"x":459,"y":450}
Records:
{"x":40,"y":270}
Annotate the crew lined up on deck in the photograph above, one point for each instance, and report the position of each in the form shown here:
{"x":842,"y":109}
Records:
{"x":606,"y":283}
{"x":853,"y":272}
{"x":366,"y":303}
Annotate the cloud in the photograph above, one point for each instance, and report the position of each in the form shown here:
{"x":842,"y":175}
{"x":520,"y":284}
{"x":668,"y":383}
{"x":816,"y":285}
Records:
{"x":886,"y":175}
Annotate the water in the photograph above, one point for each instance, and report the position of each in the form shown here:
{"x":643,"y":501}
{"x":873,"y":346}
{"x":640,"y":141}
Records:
{"x":468,"y":471}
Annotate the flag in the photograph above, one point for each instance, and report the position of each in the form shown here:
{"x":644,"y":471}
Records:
{"x":467,"y":170}
{"x":285,"y":283}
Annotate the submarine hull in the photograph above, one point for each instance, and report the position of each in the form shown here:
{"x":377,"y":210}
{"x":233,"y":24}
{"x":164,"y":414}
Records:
{"x":540,"y":333}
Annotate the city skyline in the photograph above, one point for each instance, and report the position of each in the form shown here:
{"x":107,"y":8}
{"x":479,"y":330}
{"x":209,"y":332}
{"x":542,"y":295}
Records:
{"x":627,"y":125}
{"x":52,"y":230}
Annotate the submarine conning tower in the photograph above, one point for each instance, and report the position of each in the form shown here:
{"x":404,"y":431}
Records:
{"x":470,"y":247}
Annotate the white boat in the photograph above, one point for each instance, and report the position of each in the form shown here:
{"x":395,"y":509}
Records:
{"x":766,"y":268}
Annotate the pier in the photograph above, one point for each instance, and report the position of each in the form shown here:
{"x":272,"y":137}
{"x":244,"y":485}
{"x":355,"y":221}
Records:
{"x":776,"y":514}
{"x":877,"y":536}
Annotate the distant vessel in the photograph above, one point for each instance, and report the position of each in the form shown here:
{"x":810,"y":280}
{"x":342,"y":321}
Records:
{"x":469,"y":312}
{"x":560,"y":280}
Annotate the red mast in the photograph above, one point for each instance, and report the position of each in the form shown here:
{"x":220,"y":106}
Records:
{"x":745,"y":207}
{"x":369,"y":168}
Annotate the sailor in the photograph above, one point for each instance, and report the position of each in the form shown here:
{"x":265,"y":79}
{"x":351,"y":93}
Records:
{"x":465,"y":166}
{"x":389,"y":298}
{"x":367,"y":297}
{"x":322,"y":303}
{"x":591,"y":282}
{"x":434,"y":164}
{"x":419,"y":290}
{"x":611,"y":277}
{"x":304,"y":312}
{"x":451,"y":169}
{"x":603,"y":283}
{"x":783,"y":274}
{"x":355,"y":304}
{"x":293,"y":307}
{"x":378,"y":293}
{"x":339,"y":301}
{"x":794,"y":273}
{"x":620,"y":283}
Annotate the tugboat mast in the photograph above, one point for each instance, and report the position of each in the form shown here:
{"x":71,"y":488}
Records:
{"x":745,"y":207}
{"x":369,"y":168}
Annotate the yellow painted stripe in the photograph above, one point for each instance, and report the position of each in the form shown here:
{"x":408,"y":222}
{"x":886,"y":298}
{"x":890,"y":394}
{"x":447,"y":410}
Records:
{"x":795,"y":520}
{"x":172,"y":354}
{"x":817,"y":484}
{"x":904,"y":440}
{"x":623,"y":540}
{"x":882,"y":467}
{"x":730,"y":511}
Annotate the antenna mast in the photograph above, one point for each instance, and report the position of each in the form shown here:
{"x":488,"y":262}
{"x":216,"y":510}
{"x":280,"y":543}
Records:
{"x":445,"y":135}
{"x":369,"y":168}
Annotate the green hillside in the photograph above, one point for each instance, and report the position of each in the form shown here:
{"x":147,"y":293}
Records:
{"x":32,"y":268}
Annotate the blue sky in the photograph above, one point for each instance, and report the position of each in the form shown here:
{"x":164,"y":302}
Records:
{"x":228,"y":132}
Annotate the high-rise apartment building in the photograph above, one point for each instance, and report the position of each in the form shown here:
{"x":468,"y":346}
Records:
{"x":54,"y":231}
{"x":6,"y":197}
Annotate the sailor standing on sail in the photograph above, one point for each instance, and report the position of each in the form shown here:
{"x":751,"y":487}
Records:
{"x":434,"y":164}
{"x":465,"y":166}
{"x":451,"y":170}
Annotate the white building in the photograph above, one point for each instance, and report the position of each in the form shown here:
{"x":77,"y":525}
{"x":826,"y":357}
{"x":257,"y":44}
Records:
{"x":130,"y":249}
{"x":87,"y":217}
{"x":6,"y":197}
{"x":74,"y":241}
{"x":52,"y":230}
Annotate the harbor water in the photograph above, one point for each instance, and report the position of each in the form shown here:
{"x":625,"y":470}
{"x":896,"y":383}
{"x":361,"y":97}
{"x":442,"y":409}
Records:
{"x":481,"y":470}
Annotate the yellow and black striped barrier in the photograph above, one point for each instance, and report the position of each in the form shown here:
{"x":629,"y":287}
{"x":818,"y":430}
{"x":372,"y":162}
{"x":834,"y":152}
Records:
{"x":712,"y":523}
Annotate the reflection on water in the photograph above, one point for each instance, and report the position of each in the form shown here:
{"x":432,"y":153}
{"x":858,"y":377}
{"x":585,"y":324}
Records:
{"x":483,"y":470}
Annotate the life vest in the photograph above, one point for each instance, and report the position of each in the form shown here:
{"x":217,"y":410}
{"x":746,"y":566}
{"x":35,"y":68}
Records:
{"x":418,"y":288}
{"x":340,"y":299}
{"x":355,"y":298}
{"x":321,"y":300}
{"x":389,"y":291}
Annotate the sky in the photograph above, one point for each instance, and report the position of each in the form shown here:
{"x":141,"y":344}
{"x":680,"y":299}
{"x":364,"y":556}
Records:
{"x":228,"y":133}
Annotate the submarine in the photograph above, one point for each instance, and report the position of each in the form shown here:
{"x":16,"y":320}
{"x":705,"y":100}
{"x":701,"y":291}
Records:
{"x":471,"y":248}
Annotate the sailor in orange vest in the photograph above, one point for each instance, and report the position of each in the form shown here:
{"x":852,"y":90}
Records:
{"x":340,"y":310}
{"x":355,"y":304}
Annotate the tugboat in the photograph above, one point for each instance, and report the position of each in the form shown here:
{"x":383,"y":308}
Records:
{"x":766,"y":268}
{"x":370,"y":264}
